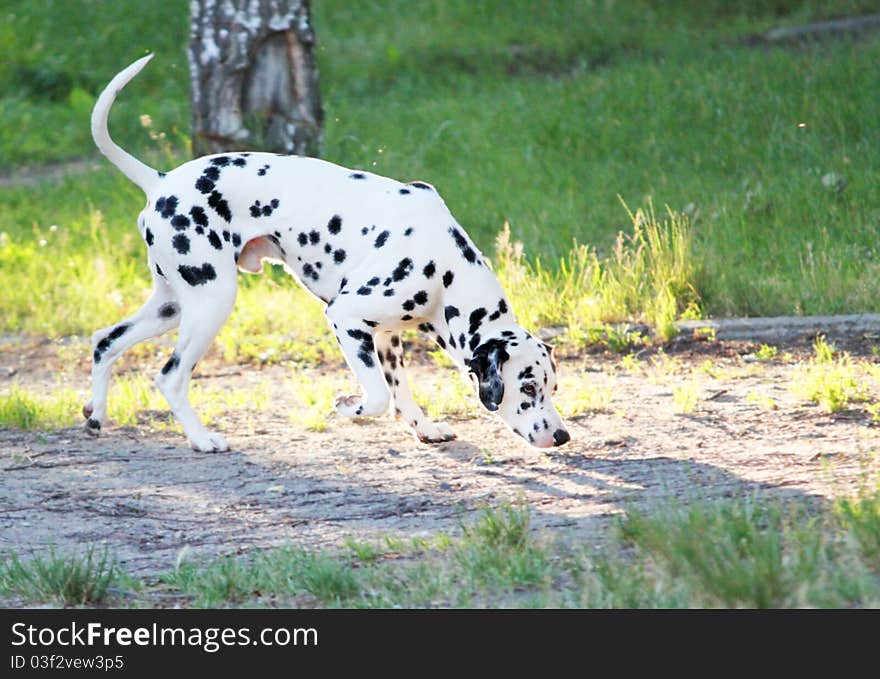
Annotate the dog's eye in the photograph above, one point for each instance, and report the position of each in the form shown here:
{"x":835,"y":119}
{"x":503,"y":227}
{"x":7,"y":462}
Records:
{"x":529,"y":390}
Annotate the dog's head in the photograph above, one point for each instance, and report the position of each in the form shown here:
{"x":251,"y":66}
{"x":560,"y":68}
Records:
{"x":516,"y":376}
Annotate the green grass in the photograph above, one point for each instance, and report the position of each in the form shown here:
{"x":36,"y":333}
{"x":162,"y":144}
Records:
{"x":833,"y":381}
{"x":61,"y":579}
{"x":132,"y":401}
{"x":754,"y":551}
{"x":542,"y":124}
{"x":29,"y":410}
{"x":496,"y":553}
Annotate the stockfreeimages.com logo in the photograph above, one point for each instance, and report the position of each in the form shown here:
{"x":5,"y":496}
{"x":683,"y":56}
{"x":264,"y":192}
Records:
{"x":209,"y":639}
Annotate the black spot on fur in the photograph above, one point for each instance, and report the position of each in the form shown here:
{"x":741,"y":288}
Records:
{"x":226,"y":235}
{"x":212,"y":173}
{"x":421,"y":297}
{"x":255,"y":210}
{"x":148,"y":236}
{"x":357,"y":175}
{"x":408,"y":305}
{"x":451,"y":312}
{"x":198,"y":215}
{"x":429,"y":269}
{"x":475,"y":341}
{"x":364,"y":231}
{"x":92,"y":423}
{"x":447,"y":279}
{"x":168,"y":310}
{"x":502,"y":306}
{"x":314,"y":237}
{"x":180,"y":222}
{"x":466,"y":250}
{"x":364,"y":290}
{"x":180,"y":243}
{"x":262,"y":171}
{"x":197,"y":275}
{"x":373,"y":281}
{"x":220,"y":161}
{"x":172,"y":363}
{"x":219,"y":205}
{"x":408,"y":231}
{"x":328,"y":248}
{"x":395,"y":340}
{"x":204,"y":185}
{"x":169,"y":207}
{"x":426,"y":327}
{"x":406,"y":317}
{"x":389,"y":292}
{"x":267,"y":210}
{"x":214,"y":240}
{"x":476,"y":319}
{"x":239,"y":162}
{"x":365,"y":351}
{"x":381,"y":239}
{"x":118,"y":331}
{"x":401,"y":271}
{"x":371,"y":324}
{"x":440,"y":342}
{"x":335,"y":224}
{"x":236,"y":239}
{"x":302,"y":239}
{"x":339,"y":256}
{"x":403,"y":192}
{"x":159,"y":271}
{"x":421,"y":185}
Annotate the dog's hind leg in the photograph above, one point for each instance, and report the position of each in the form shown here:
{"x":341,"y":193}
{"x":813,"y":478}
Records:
{"x":158,"y":315}
{"x":389,"y":348}
{"x":202,"y":314}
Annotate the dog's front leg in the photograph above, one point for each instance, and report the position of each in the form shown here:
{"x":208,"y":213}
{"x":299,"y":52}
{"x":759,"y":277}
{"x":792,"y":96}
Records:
{"x":389,"y":347}
{"x":356,"y":339}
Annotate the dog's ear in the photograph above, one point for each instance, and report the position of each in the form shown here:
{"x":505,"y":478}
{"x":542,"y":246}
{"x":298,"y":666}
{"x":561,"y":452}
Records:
{"x":486,"y":365}
{"x":549,"y":348}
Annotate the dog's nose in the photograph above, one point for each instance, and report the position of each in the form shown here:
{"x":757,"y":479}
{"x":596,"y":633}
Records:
{"x":560,"y":436}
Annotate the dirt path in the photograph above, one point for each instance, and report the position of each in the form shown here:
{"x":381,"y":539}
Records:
{"x":151,"y":499}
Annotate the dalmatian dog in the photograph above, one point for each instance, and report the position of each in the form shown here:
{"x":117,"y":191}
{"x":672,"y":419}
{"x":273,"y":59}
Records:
{"x":382,"y":255}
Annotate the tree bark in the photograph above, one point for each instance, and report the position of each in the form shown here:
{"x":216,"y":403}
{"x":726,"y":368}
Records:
{"x":254,"y":77}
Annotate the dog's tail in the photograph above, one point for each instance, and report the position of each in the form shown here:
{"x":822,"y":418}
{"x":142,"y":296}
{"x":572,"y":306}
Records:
{"x":141,"y":174}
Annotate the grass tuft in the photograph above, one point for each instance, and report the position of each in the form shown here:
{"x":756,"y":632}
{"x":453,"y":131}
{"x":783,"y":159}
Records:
{"x":63,"y":579}
{"x":829,"y":380}
{"x":736,"y":553}
{"x":649,"y":276}
{"x":31,"y":411}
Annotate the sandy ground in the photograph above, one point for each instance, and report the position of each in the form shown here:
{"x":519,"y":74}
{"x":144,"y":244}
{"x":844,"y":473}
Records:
{"x":152,"y":500}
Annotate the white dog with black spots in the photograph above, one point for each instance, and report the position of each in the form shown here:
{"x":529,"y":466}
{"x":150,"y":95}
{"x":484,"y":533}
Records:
{"x":382,"y":255}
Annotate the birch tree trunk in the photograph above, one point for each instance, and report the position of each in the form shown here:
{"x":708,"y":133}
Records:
{"x":254,"y":77}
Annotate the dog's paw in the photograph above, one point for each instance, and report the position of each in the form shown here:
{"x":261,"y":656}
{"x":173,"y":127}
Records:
{"x":92,"y":426}
{"x":208,"y":442}
{"x":353,"y":406}
{"x":88,"y":409}
{"x":435,"y":433}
